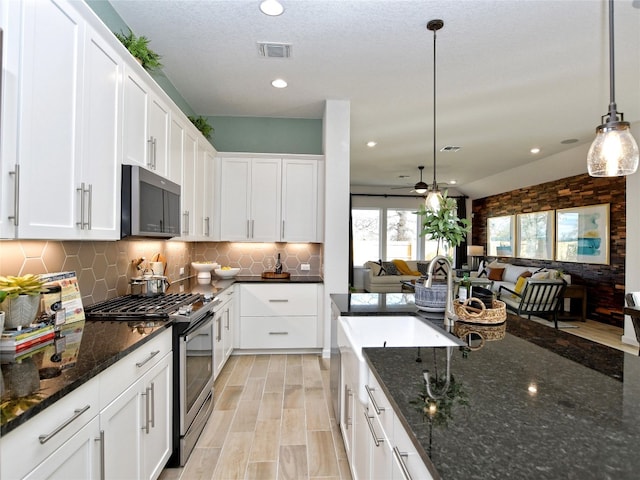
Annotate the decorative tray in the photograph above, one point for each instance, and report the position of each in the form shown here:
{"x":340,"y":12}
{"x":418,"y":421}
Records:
{"x":274,"y":275}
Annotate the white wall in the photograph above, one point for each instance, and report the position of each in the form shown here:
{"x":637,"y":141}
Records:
{"x":336,"y":141}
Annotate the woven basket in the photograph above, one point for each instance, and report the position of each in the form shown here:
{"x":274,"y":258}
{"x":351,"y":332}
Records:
{"x":492,"y":316}
{"x":486,"y":332}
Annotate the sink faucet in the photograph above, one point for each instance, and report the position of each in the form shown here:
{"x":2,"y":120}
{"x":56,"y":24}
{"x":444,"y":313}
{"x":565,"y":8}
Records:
{"x":449,"y":315}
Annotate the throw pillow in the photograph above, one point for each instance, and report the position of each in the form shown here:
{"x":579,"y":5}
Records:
{"x":423,"y":268}
{"x":540,"y":276}
{"x":381,"y":270}
{"x":522,"y":281}
{"x":389,"y":268}
{"x":526,"y":274}
{"x":497,"y":264}
{"x":495,"y":274}
{"x":483,"y":269}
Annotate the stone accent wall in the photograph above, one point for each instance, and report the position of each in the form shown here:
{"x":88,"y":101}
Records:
{"x":605,"y":283}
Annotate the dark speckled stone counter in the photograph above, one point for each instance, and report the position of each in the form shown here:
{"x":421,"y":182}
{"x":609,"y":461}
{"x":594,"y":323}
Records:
{"x":101,"y":344}
{"x":542,"y":403}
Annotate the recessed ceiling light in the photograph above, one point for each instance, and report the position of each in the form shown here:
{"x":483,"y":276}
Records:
{"x":279,"y":83}
{"x":371,"y":144}
{"x":273,"y":8}
{"x":535,"y":150}
{"x":452,"y":182}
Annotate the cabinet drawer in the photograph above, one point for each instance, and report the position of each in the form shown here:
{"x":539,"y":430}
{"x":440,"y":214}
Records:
{"x":289,"y":332}
{"x":378,"y":399}
{"x":118,"y":377}
{"x":21,"y":449}
{"x":278,"y":300}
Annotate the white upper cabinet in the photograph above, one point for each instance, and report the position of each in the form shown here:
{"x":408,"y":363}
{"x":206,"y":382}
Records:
{"x":188,"y":191}
{"x":176,"y":150}
{"x":145,"y":126}
{"x":267,"y":199}
{"x":68,"y":136}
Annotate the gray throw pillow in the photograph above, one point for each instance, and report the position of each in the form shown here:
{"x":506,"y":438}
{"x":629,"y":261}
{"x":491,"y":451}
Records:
{"x":390,"y":268}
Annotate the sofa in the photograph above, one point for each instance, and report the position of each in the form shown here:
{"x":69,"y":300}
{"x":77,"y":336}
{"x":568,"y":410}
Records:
{"x":378,"y":280}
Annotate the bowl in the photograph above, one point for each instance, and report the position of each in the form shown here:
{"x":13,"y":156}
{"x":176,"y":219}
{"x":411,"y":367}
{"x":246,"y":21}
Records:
{"x":230,"y":273}
{"x":204,"y":268}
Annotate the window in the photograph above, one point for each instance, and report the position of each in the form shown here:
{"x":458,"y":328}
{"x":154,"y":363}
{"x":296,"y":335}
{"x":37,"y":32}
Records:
{"x":366,"y":235}
{"x":402,"y":234}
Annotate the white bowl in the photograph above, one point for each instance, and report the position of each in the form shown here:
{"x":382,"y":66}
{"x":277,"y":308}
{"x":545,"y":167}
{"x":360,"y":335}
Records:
{"x":227,"y":273}
{"x":204,"y":269}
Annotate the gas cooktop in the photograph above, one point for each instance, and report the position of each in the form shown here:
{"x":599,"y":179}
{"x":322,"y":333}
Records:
{"x":132,"y":307}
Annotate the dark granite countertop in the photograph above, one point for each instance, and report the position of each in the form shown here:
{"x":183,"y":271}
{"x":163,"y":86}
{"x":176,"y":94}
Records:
{"x":91,"y":347}
{"x":292,"y":279}
{"x":532,"y":412}
{"x":351,"y":304}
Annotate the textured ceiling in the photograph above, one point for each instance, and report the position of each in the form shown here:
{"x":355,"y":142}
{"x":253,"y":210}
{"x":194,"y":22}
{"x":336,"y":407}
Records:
{"x":511,"y":74}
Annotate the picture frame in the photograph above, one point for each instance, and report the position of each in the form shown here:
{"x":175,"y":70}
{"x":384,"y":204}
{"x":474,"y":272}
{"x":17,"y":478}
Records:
{"x":535,"y":238}
{"x":583,"y":234}
{"x":501,"y":236}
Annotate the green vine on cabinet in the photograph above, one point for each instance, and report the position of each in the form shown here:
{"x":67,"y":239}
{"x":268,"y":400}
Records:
{"x":202,"y":124}
{"x":139,"y":48}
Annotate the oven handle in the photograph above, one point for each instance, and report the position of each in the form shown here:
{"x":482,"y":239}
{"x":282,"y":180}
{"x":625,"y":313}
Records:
{"x":195,"y":331}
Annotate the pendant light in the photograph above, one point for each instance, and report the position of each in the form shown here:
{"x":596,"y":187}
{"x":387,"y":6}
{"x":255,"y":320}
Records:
{"x":434,"y":196}
{"x":614,"y":152}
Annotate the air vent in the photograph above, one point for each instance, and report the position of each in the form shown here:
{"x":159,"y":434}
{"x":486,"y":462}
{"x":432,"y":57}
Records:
{"x":274,"y":50}
{"x":450,"y":148}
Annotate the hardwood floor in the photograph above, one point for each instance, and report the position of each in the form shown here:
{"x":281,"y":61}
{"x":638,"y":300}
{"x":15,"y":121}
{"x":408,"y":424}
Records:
{"x":272,"y":419}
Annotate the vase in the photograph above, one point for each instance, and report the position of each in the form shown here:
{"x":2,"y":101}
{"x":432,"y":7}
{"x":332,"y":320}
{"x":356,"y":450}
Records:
{"x":20,"y":311}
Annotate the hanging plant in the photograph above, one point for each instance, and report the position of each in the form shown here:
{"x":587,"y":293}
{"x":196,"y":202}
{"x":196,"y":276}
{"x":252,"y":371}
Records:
{"x":444,"y":225}
{"x":202,"y":124}
{"x":139,"y":48}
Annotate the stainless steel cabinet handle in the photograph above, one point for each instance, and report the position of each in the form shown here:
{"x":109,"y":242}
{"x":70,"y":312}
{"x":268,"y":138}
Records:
{"x":81,"y":192}
{"x":147,"y":398}
{"x":226,"y":312}
{"x":150,"y":153}
{"x":185,"y":218}
{"x":102,"y":467}
{"x":153,"y":405}
{"x":206,"y":226}
{"x":155,"y":151}
{"x":16,"y":195}
{"x":219,"y":326}
{"x":282,"y":232}
{"x":278,"y":333}
{"x":76,"y":413}
{"x":90,"y":205}
{"x":403,"y":466}
{"x":373,"y":400}
{"x":278,"y":300}
{"x":377,"y":441}
{"x":151,"y":355}
{"x":347,"y":413}
{"x":252,"y":225}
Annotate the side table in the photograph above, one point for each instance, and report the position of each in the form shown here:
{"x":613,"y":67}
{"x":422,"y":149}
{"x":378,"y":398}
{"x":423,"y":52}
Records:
{"x":577,"y":292}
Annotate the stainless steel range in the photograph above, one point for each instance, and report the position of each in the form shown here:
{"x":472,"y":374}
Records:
{"x":193,"y":343}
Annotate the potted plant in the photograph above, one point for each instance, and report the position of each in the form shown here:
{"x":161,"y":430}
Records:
{"x":139,"y":48}
{"x":202,"y":124}
{"x":444,"y":225}
{"x":20,"y":299}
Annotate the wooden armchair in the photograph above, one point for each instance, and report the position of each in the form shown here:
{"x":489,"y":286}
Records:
{"x":541,"y":298}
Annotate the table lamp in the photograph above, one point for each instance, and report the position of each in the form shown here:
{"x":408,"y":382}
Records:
{"x":475,"y":252}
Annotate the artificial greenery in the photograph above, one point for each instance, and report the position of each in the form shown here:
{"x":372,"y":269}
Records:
{"x":202,"y":124}
{"x":28,"y":284}
{"x":139,"y":48}
{"x":444,"y":225}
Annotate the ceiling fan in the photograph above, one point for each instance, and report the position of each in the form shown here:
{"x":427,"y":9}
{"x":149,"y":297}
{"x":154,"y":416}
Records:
{"x":421,"y":187}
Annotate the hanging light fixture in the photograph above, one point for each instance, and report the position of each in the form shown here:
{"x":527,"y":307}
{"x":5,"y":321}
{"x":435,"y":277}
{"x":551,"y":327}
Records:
{"x":434,"y":196}
{"x":614,"y":152}
{"x":421,"y":187}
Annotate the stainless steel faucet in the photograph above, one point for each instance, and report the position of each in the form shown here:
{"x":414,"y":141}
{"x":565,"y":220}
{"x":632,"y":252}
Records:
{"x":449,"y":315}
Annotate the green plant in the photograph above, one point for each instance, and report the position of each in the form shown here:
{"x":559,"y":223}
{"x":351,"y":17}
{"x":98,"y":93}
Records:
{"x":202,"y":124}
{"x":440,"y":410}
{"x":444,"y":225}
{"x":139,"y":48}
{"x":11,"y":286}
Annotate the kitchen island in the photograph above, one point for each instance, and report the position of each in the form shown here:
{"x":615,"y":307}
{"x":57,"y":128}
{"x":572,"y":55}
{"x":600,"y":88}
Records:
{"x":520,"y":409}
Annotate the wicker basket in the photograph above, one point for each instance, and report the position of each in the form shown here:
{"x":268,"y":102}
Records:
{"x":485,"y":332}
{"x":485,"y":316}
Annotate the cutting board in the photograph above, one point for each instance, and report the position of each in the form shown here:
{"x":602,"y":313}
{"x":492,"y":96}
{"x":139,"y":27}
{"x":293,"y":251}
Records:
{"x":158,"y":257}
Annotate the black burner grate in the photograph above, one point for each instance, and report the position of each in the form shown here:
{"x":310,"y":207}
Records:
{"x":130,"y":307}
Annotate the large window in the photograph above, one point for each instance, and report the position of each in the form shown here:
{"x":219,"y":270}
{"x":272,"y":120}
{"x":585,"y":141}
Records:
{"x":389,"y":233}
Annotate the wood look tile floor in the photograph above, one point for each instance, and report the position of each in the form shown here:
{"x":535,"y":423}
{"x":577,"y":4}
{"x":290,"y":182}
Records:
{"x":272,"y":419}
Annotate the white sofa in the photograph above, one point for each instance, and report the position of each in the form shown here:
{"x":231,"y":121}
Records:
{"x":379,"y":282}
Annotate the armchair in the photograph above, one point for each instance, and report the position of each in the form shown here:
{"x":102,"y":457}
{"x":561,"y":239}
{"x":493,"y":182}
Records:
{"x":541,"y":298}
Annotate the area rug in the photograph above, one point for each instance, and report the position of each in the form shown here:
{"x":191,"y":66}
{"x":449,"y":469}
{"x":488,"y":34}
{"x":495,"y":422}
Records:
{"x":596,"y":356}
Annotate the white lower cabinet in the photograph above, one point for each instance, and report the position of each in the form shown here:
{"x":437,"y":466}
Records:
{"x":115,"y":426}
{"x":279,"y":316}
{"x":223,"y":330}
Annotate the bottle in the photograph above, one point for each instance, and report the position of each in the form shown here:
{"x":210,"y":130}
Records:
{"x":465,"y":288}
{"x":278,"y":265}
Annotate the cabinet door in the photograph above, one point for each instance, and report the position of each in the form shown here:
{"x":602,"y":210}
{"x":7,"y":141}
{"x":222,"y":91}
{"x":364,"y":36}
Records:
{"x":218,"y":342}
{"x":158,"y":139}
{"x":235,"y":199}
{"x":101,"y":140}
{"x":122,"y":424}
{"x":176,"y":142}
{"x":157,"y":411}
{"x":188,"y":185}
{"x":361,"y":443}
{"x":299,"y":200}
{"x":50,"y":83}
{"x":206,"y":193}
{"x":77,"y":459}
{"x":228,"y":330}
{"x":265,"y":200}
{"x":134,"y":120}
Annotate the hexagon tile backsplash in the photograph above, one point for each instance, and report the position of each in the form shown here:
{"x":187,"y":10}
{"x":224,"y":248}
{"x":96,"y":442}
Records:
{"x":104,"y":268}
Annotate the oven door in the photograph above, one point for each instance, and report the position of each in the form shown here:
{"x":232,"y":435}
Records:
{"x":196,"y":369}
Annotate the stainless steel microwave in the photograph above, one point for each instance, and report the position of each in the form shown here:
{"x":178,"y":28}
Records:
{"x":150,"y":204}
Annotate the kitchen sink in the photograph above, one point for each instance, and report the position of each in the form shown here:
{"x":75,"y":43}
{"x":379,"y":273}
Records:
{"x":358,"y":332}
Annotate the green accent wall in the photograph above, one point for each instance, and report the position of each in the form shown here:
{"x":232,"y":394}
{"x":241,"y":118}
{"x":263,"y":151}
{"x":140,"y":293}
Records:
{"x":267,"y":135}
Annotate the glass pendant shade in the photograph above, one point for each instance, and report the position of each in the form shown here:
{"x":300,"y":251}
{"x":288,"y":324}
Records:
{"x":614,"y":152}
{"x":432,"y":202}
